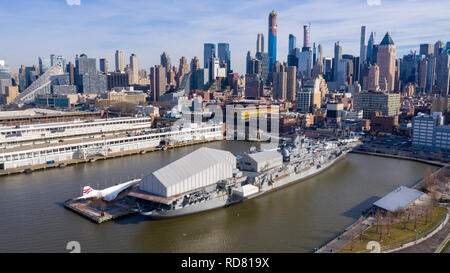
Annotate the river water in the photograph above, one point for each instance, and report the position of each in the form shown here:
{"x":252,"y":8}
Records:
{"x":297,"y":218}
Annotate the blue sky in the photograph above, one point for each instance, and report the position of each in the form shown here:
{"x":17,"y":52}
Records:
{"x":149,"y":27}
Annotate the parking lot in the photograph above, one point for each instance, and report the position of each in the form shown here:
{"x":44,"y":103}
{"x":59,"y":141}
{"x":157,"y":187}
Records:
{"x":398,"y":145}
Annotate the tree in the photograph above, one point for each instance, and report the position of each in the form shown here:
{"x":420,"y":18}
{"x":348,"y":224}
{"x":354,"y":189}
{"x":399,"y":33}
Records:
{"x":361,"y":227}
{"x":415,"y":214}
{"x":400,"y":216}
{"x":428,"y":180}
{"x":429,"y":212}
{"x":379,"y":221}
{"x":404,"y":217}
{"x":378,"y":216}
{"x":389,"y":216}
{"x":352,"y":240}
{"x":438,"y":156}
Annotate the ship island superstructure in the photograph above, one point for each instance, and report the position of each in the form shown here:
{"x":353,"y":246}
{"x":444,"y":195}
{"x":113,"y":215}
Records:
{"x":209,"y":178}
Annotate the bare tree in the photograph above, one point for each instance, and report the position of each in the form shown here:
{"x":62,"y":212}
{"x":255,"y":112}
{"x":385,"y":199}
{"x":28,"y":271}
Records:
{"x":415,"y":214}
{"x":379,"y":220}
{"x":389,"y":216}
{"x":402,"y":216}
{"x":428,"y":180}
{"x":438,"y":156}
{"x":361,"y":228}
{"x":352,"y":240}
{"x":378,"y":217}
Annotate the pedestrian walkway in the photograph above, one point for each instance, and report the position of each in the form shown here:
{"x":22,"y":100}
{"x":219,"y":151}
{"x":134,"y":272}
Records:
{"x":344,"y":238}
{"x":430,"y":245}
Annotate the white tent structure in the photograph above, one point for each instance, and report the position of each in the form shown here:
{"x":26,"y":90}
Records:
{"x":400,"y":198}
{"x":203,"y":167}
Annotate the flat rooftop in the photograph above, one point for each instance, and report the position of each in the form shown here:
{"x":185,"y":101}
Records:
{"x":84,"y":140}
{"x":399,"y":198}
{"x":31,"y":112}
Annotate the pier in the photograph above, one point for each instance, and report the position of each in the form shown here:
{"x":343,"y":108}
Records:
{"x":431,"y":241}
{"x":99,"y":210}
{"x":86,"y":209}
{"x":91,"y":159}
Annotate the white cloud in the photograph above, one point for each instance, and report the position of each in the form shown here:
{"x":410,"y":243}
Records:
{"x":374,"y":2}
{"x":73,"y":2}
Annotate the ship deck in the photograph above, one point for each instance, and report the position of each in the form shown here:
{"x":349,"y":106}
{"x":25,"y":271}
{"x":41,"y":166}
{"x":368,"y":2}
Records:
{"x":137,"y":193}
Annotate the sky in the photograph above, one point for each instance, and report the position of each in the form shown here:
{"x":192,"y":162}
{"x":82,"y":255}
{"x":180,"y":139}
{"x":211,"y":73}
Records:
{"x":180,"y":27}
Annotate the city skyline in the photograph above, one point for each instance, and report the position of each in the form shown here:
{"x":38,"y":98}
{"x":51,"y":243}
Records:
{"x":99,"y":28}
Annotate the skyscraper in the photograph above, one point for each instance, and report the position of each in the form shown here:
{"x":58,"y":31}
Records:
{"x":248,"y":63}
{"x":292,"y":43}
{"x":423,"y":69}
{"x":370,"y":44}
{"x":386,"y":62}
{"x":71,"y":70}
{"x":305,"y":37}
{"x":310,"y":96}
{"x":158,"y":81}
{"x":183,"y":68}
{"x":195,"y":64}
{"x":224,"y":54}
{"x":209,"y":51}
{"x":320,"y":53}
{"x":213,"y":67}
{"x":165,"y":61}
{"x":362,"y":54}
{"x":44,"y":65}
{"x":280,"y":85}
{"x":426,"y":49}
{"x":55,"y":58}
{"x":104,"y":65}
{"x":304,"y":63}
{"x":291,"y":82}
{"x":443,"y":73}
{"x":292,"y":59}
{"x":272,"y":39}
{"x":337,"y":58}
{"x":255,"y":66}
{"x":362,"y":47}
{"x":134,"y":69}
{"x":120,"y":61}
{"x":5,"y":77}
{"x":438,"y":47}
{"x":260,"y":43}
{"x":264,"y":58}
{"x":373,"y":79}
{"x":87,"y":78}
{"x":314,"y":54}
{"x":253,"y":86}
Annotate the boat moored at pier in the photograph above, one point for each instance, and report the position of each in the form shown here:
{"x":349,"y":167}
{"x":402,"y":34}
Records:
{"x":207,"y":178}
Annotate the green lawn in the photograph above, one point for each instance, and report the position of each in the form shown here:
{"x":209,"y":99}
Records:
{"x":398,"y":233}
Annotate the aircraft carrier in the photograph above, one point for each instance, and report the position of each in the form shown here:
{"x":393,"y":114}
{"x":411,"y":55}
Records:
{"x":207,"y":178}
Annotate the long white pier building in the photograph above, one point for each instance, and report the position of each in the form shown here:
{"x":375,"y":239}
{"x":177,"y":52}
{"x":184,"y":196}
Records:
{"x":15,"y":135}
{"x":83,"y":145}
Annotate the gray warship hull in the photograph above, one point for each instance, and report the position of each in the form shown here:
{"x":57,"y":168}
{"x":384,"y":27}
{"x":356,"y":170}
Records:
{"x":227,"y":200}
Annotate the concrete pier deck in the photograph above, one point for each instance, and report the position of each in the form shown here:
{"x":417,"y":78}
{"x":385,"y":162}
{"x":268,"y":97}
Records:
{"x":87,"y":209}
{"x":431,"y":244}
{"x":28,"y":169}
